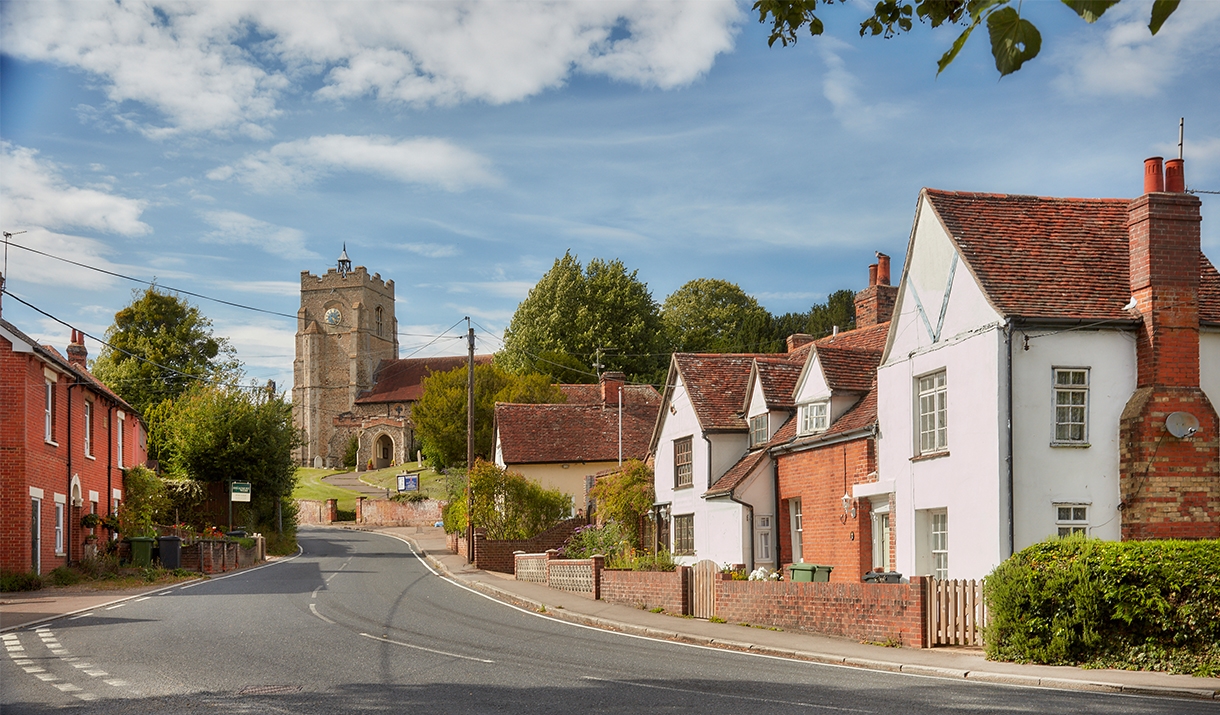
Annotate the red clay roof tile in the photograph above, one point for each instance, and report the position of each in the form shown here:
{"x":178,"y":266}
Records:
{"x":535,"y":434}
{"x":401,"y":380}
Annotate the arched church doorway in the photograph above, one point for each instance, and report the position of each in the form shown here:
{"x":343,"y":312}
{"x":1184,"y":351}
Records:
{"x":383,"y":452}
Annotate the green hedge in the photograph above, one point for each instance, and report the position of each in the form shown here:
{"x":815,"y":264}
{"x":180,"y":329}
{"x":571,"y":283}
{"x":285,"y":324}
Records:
{"x":1152,"y":605}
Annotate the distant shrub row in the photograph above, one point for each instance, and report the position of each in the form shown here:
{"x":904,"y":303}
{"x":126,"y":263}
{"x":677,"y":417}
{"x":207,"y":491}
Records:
{"x":1151,"y":605}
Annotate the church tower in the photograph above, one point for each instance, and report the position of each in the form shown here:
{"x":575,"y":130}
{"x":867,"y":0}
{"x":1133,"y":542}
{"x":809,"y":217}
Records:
{"x":345,"y":327}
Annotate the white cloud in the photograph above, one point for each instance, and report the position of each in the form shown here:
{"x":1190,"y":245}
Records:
{"x":33,"y":193}
{"x":24,"y":266}
{"x":422,"y":160}
{"x":430,"y":250}
{"x":1120,"y":57}
{"x":237,"y":229}
{"x":840,"y":87}
{"x":223,"y":66}
{"x":280,"y":288}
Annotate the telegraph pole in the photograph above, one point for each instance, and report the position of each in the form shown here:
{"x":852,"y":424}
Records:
{"x":469,"y":440}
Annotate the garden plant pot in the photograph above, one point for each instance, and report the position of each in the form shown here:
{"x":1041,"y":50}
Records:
{"x":141,"y":550}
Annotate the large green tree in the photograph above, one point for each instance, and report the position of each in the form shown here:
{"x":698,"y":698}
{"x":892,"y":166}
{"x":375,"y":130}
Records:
{"x":159,"y":347}
{"x":712,"y":315}
{"x":440,"y":413}
{"x":584,"y":314}
{"x":1014,"y":39}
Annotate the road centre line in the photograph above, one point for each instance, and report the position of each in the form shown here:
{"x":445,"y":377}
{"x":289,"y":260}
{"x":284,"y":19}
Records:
{"x":83,"y":615}
{"x":142,"y":598}
{"x":117,"y":605}
{"x":427,"y":650}
{"x":313,"y":608}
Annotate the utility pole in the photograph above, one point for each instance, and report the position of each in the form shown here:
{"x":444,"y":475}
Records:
{"x":620,"y":426}
{"x":469,"y":441}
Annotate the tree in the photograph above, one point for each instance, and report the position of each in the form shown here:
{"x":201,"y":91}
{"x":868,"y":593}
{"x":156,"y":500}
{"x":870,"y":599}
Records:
{"x":440,"y":413}
{"x":158,"y":346}
{"x":1014,"y":39}
{"x":213,"y":434}
{"x":507,"y":505}
{"x":598,"y":312}
{"x":626,"y":497}
{"x":711,"y":315}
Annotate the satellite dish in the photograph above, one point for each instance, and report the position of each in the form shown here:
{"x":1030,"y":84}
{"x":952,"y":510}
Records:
{"x":1181,"y":424}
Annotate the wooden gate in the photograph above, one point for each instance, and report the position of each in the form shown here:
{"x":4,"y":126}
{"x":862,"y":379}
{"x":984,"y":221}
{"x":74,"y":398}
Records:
{"x":956,"y":613}
{"x":703,"y":580}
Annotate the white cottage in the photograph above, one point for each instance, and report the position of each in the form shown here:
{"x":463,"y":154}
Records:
{"x":1037,"y":349}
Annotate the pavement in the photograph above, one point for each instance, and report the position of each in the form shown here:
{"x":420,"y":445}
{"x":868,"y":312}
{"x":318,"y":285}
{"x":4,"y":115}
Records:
{"x":351,"y":480}
{"x":23,"y":610}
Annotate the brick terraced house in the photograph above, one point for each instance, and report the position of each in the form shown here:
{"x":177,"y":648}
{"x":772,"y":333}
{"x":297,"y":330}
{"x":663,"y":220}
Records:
{"x":565,"y":446}
{"x":65,"y":439}
{"x":1052,"y":367}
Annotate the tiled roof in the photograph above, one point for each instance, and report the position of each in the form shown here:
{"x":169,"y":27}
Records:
{"x":778,"y":376}
{"x":716,"y":386}
{"x":402,"y":380}
{"x":849,"y":360}
{"x":532,"y":434}
{"x":1012,"y":243}
{"x":592,"y":394}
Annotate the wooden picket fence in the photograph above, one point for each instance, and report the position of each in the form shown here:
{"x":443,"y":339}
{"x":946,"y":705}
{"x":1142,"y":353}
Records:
{"x":956,"y":613}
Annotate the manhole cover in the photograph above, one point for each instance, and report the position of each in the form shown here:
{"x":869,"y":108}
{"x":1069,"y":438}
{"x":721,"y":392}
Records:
{"x":269,"y":689}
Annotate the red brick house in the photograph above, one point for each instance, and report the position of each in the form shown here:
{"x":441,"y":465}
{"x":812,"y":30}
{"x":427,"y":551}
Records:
{"x":826,"y":458}
{"x":564,"y":446}
{"x":64,"y":440}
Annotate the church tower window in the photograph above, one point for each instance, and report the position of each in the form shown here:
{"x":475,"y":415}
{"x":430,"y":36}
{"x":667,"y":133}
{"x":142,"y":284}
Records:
{"x":377,"y":317}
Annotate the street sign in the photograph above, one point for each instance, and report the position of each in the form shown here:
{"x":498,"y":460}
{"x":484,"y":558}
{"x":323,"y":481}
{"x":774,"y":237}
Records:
{"x":240,"y":491}
{"x":408,"y":482}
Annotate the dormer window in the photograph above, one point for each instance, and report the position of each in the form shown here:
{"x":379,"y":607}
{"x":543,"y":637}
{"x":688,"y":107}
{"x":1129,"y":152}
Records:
{"x":815,"y":417}
{"x":758,"y":429}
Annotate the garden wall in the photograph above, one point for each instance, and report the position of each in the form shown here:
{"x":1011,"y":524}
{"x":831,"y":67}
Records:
{"x":314,"y":511}
{"x":872,"y":612}
{"x":498,"y":555}
{"x":582,"y":576}
{"x":209,"y":557}
{"x":669,"y":590}
{"x":387,"y":512}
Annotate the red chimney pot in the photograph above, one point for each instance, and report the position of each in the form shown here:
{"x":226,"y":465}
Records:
{"x":883,"y":269}
{"x":1175,"y":177}
{"x":1154,"y":177}
{"x":872,"y":275}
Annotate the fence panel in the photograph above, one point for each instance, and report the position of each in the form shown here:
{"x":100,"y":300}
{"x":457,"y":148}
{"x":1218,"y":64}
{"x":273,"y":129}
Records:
{"x":956,"y":612}
{"x":703,"y":589}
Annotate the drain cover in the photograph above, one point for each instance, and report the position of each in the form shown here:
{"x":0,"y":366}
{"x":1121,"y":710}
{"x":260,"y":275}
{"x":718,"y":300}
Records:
{"x":269,"y":689}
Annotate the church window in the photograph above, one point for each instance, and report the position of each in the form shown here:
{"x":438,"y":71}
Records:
{"x":377,"y":313}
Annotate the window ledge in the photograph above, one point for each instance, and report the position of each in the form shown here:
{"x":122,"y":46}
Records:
{"x":60,"y":553}
{"x":1071,"y":445}
{"x":931,"y":455}
{"x":684,"y":486}
{"x":90,"y":456}
{"x":53,"y":443}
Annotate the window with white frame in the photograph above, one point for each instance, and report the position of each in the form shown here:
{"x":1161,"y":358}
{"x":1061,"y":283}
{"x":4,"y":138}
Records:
{"x":49,"y":412}
{"x":88,"y":428}
{"x":939,"y":543}
{"x":1071,"y":405}
{"x":59,"y":528}
{"x":684,"y":534}
{"x":758,"y":429}
{"x":1072,"y":519}
{"x":815,"y":417}
{"x":798,"y":530}
{"x":119,"y":439}
{"x":762,"y":538}
{"x":933,"y":413}
{"x":881,"y":537}
{"x":683,"y":474}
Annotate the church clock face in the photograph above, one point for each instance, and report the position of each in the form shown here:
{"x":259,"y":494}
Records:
{"x":333,"y":316}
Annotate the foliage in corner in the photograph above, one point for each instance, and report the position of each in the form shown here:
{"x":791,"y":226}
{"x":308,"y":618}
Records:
{"x":507,"y":505}
{"x":144,"y":497}
{"x":1152,"y":605}
{"x":609,"y":540}
{"x":625,"y":497}
{"x":1014,"y":39}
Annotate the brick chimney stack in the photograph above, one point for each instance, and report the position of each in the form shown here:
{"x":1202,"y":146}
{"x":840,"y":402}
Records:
{"x":77,"y":353}
{"x":611,"y":383}
{"x":1168,"y":485}
{"x":875,"y":304}
{"x":796,"y":340}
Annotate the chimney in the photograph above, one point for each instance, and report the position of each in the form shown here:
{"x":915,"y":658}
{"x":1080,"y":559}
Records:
{"x":798,"y":339}
{"x":77,"y":353}
{"x":875,"y":304}
{"x":611,"y":383}
{"x":1167,"y":483}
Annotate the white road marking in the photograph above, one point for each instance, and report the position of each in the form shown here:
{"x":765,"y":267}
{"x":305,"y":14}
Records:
{"x":60,"y":651}
{"x":46,"y":677}
{"x":34,"y":669}
{"x":42,"y":629}
{"x":23,"y":661}
{"x":143,"y":598}
{"x":117,"y":605}
{"x":314,"y":609}
{"x":9,"y":636}
{"x":66,"y":687}
{"x":115,"y":682}
{"x":94,"y":673}
{"x":73,"y":659}
{"x":427,"y":650}
{"x":82,"y":665}
{"x":85,"y":696}
{"x":315,"y":591}
{"x":83,"y":615}
{"x":15,"y":648}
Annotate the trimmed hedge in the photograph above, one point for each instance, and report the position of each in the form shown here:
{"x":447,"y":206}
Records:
{"x":1150,"y":605}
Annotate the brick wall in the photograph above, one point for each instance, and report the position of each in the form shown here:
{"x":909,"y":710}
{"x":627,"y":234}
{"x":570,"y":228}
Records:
{"x":209,"y":557}
{"x":649,"y":589}
{"x":830,"y":537}
{"x":498,"y":555}
{"x":383,"y":512}
{"x":875,"y":613}
{"x":312,"y":511}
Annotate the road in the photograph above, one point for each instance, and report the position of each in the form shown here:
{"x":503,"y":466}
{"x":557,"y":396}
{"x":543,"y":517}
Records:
{"x":358,"y":623}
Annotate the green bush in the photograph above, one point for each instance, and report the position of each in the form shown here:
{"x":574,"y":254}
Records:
{"x":607,"y":540}
{"x":660,"y":561}
{"x":349,"y":454}
{"x":412,"y":497}
{"x":20,"y":581}
{"x":64,"y":576}
{"x":506,"y":504}
{"x":1141,"y":604}
{"x":626,"y":496}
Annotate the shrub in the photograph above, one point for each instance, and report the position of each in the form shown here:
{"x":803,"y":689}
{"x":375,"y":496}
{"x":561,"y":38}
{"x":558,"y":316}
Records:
{"x":625,"y":497}
{"x":20,"y":581}
{"x":143,"y":498}
{"x":412,"y":497}
{"x":349,"y":454}
{"x":1146,"y":604}
{"x":607,"y":540}
{"x":64,"y":576}
{"x":506,"y":504}
{"x":660,"y":561}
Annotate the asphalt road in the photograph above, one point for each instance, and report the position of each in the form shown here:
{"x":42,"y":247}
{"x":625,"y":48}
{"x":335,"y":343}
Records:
{"x":357,"y":623}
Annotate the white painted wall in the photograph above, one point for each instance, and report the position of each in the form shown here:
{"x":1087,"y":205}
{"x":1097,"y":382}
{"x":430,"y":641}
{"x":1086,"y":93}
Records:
{"x":1209,"y":365}
{"x":1045,"y":474}
{"x":675,"y":424}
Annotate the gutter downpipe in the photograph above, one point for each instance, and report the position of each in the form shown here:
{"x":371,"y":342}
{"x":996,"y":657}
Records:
{"x":109,"y":458}
{"x":1012,"y":543}
{"x":749,"y":535}
{"x":68,"y":506}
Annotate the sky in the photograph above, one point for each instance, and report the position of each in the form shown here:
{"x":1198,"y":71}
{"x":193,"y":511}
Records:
{"x":459,"y":148}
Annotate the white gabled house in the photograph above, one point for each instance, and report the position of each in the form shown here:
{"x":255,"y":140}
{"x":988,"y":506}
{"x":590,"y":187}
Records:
{"x":1037,"y":349}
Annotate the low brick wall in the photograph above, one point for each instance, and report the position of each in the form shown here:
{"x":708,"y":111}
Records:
{"x":313,"y":511}
{"x":669,"y":590}
{"x":498,"y":555}
{"x":387,"y":512}
{"x":209,"y":557}
{"x":861,"y":611}
{"x":581,"y":576}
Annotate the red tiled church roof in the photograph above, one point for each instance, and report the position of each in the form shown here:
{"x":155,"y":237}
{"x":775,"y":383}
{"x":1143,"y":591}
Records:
{"x":1040,"y":257}
{"x":401,"y":380}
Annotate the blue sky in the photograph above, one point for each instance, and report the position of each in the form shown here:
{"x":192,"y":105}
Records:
{"x":459,"y":148}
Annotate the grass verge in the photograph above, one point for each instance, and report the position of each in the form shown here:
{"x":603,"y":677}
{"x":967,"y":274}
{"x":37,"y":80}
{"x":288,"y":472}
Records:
{"x":311,"y":486}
